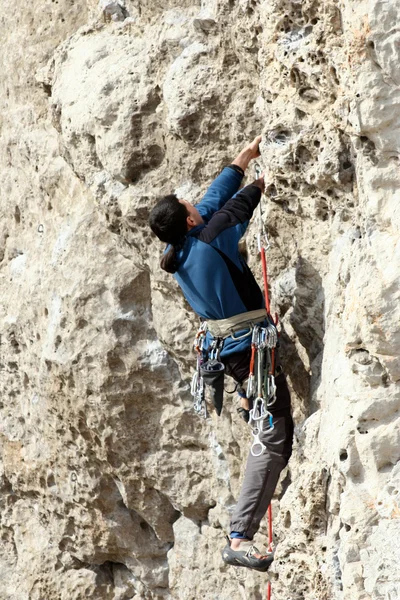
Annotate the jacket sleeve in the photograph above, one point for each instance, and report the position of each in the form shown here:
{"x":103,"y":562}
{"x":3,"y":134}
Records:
{"x":233,"y":217}
{"x":220,"y":191}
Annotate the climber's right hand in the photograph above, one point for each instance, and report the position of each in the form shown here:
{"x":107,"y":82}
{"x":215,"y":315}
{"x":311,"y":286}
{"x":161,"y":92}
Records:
{"x":254,"y":147}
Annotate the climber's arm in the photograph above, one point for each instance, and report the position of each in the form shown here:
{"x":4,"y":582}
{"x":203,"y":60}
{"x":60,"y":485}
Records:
{"x":222,"y":189}
{"x":227,"y":226}
{"x":247,"y":154}
{"x":228,"y":182}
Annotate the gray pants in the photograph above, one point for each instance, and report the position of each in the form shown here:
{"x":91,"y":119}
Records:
{"x":262,"y":475}
{"x":262,"y":472}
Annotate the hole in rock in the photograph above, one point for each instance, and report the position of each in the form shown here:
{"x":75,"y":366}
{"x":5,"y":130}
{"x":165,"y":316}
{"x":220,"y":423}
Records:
{"x":334,"y":75}
{"x":282,"y":137}
{"x":300,"y":114}
{"x":115,"y":363}
{"x":303,"y":154}
{"x":288,"y":520}
{"x":362,"y":430}
{"x":343,"y":455}
{"x":309,"y":94}
{"x":347,"y":527}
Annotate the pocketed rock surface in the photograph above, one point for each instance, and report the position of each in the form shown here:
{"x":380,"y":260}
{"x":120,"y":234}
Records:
{"x":110,"y":486}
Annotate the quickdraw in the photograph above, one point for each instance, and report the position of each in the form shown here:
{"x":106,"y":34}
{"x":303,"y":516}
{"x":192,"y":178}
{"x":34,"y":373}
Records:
{"x":197,"y":387}
{"x":261,"y":382}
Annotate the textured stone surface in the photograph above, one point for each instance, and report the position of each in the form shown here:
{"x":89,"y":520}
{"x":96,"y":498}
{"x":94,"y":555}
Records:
{"x":111,"y":487}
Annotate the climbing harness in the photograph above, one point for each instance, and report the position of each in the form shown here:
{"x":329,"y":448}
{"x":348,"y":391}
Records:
{"x":238,"y":327}
{"x":208,"y":361}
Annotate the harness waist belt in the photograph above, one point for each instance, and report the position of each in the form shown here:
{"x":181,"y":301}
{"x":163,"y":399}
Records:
{"x":224,"y":328}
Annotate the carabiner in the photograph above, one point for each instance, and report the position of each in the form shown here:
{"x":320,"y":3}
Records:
{"x":258,"y":409}
{"x":250,"y":386}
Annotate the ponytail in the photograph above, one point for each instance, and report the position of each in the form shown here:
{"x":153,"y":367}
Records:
{"x":168,"y":221}
{"x":168,"y":261}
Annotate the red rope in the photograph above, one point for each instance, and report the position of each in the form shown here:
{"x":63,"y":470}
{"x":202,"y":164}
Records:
{"x":253,"y":354}
{"x":269,"y":590}
{"x":270,"y":528}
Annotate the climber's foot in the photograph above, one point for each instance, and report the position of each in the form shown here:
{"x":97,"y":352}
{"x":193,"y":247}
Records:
{"x":246,"y":555}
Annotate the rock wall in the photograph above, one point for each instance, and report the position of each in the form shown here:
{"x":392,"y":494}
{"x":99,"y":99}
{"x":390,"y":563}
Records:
{"x":111,"y":487}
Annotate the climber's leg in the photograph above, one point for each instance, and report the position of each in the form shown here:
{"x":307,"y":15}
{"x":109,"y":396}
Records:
{"x":262,"y":472}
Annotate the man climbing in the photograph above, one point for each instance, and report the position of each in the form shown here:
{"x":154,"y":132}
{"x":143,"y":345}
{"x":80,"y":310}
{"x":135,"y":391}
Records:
{"x":203,"y":255}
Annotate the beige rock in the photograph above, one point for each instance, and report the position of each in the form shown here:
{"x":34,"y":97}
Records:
{"x":111,"y":487}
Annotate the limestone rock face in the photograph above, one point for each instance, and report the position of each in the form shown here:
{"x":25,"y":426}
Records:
{"x":111,"y":487}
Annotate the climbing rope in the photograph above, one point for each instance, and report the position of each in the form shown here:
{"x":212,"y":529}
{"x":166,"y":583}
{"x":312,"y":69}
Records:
{"x":262,"y":248}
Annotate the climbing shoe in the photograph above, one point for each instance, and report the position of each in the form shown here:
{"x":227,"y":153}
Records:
{"x":245,"y":556}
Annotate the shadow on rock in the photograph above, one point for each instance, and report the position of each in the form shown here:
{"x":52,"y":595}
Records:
{"x":306,"y":317}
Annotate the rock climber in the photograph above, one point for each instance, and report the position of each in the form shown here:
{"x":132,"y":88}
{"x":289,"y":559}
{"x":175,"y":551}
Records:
{"x":204,"y":257}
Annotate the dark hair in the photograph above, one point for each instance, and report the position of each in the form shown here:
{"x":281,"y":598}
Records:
{"x":168,"y":221}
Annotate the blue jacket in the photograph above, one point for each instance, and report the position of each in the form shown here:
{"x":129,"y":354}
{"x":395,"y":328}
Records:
{"x":214,"y":277}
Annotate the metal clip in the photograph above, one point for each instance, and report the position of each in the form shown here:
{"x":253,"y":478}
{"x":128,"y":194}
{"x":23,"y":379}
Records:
{"x":257,"y":443}
{"x":258,"y":412}
{"x":271,"y":388}
{"x":197,"y":391}
{"x":250,"y":386}
{"x":271,"y":335}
